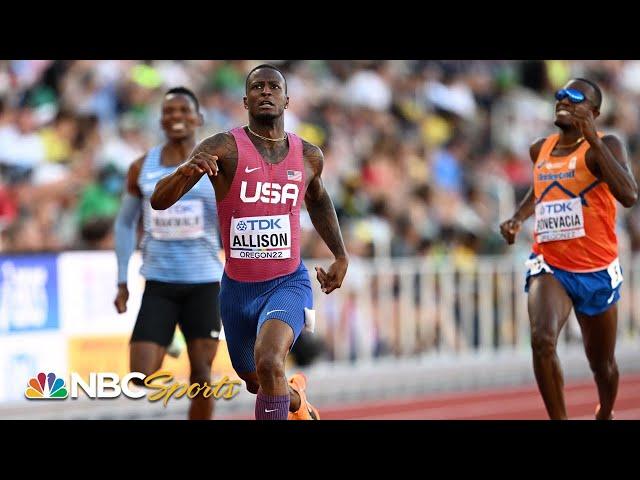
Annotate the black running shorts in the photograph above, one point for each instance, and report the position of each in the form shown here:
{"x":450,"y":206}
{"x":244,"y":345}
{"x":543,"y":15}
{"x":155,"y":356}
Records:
{"x":195,"y":307}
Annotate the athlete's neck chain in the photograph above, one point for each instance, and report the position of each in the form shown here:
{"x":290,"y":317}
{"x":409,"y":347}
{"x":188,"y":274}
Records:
{"x":267,"y":138}
{"x":571,"y":144}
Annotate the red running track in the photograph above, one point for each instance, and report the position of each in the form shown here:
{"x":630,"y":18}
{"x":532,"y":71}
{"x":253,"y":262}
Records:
{"x":521,"y":403}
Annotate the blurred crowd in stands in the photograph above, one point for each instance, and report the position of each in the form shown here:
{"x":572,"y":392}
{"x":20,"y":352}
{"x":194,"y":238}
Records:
{"x":421,"y":157}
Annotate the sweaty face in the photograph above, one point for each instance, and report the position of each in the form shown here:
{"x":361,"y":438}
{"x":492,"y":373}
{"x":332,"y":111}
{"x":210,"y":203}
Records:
{"x":179,"y":118}
{"x":565,"y":108}
{"x":266,"y":97}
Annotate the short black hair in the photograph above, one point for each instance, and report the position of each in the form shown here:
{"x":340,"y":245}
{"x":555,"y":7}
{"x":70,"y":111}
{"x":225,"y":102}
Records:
{"x":594,"y":86}
{"x":265,"y":65}
{"x":184,"y":91}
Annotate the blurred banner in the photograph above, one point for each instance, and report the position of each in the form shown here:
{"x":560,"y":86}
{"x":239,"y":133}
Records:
{"x":57,"y":315}
{"x":29,"y":294}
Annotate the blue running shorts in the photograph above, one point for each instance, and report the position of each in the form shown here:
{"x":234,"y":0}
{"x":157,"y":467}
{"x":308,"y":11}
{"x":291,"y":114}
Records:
{"x":245,"y":306}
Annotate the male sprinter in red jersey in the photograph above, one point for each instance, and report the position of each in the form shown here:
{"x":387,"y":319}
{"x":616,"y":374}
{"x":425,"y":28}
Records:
{"x":261,"y":175}
{"x":578,"y":175}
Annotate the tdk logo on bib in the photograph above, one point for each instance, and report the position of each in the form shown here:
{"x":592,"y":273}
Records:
{"x":268,"y":192}
{"x":259,"y":224}
{"x":555,"y":208}
{"x":182,"y":208}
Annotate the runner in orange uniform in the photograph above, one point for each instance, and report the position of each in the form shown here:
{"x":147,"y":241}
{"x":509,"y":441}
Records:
{"x":578,"y":176}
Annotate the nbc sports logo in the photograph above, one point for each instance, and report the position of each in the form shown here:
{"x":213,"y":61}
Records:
{"x":44,"y":387}
{"x":109,"y":385}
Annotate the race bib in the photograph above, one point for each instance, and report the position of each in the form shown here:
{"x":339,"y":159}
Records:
{"x":182,"y":221}
{"x":615,"y":273}
{"x":261,"y":238}
{"x":537,"y":265}
{"x":559,"y":220}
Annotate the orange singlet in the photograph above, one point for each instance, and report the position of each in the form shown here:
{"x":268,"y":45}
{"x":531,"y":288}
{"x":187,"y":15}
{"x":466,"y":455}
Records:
{"x":575,"y":213}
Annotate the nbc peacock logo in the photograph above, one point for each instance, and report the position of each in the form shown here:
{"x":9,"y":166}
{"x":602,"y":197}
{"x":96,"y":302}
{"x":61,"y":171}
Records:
{"x":45,"y":387}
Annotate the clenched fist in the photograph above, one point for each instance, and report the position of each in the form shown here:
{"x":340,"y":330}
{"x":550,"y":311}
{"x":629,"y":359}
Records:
{"x":509,"y":229}
{"x":200,"y":163}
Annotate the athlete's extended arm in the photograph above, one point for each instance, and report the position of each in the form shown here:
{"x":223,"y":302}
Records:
{"x":510,"y":228}
{"x":125,"y":231}
{"x":203,"y":159}
{"x":610,"y":157}
{"x":324,"y":219}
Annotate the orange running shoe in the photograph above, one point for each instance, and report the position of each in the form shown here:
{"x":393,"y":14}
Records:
{"x":306,"y":411}
{"x":598,"y":411}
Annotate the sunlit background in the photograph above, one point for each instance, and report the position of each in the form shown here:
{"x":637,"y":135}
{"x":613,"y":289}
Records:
{"x":423,"y":159}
